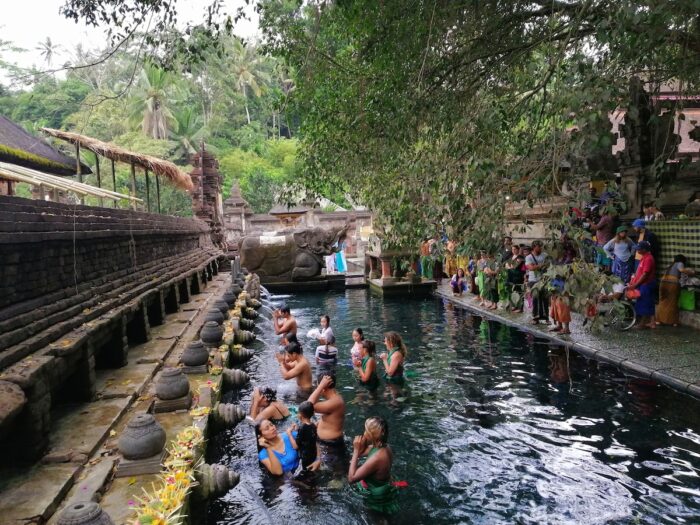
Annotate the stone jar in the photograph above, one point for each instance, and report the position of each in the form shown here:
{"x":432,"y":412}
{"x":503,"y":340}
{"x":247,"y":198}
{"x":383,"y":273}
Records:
{"x":142,"y":438}
{"x":214,"y":314}
{"x":229,"y":297}
{"x":211,"y":334}
{"x":195,"y":354}
{"x":172,"y":384}
{"x":222,"y":306}
{"x":84,"y":513}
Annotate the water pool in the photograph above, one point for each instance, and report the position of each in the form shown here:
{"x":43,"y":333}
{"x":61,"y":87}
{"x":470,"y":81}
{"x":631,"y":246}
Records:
{"x":495,"y":427}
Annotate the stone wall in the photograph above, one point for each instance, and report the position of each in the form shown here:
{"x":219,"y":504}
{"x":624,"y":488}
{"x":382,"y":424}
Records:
{"x":48,"y":246}
{"x":79,"y":286}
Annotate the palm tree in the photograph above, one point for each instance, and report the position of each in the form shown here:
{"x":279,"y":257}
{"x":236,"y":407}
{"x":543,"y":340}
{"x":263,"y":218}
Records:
{"x":189,"y":130}
{"x":155,"y":91}
{"x":49,"y":50}
{"x":247,"y":71}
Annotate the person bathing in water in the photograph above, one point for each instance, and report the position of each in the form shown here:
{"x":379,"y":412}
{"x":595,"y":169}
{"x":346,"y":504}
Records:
{"x":373,"y":478}
{"x":330,"y":427}
{"x":285,"y":324}
{"x":366,"y":365}
{"x":306,"y":441}
{"x":326,"y":352}
{"x":266,"y":406}
{"x":393,"y":359}
{"x":275,"y":452}
{"x":294,"y":365}
{"x":358,"y":337}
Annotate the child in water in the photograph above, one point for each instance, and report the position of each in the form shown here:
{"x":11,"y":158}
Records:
{"x":355,"y":352}
{"x":306,"y":442}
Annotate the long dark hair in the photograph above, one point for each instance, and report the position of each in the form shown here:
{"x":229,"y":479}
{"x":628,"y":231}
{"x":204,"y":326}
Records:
{"x":362,"y":334}
{"x":370,"y":346}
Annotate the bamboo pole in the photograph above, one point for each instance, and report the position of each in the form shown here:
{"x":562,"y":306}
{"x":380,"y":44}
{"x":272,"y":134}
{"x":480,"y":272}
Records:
{"x":114,"y":183}
{"x":99,"y":177}
{"x":133,"y":185}
{"x":79,"y":168}
{"x":148,"y":191}
{"x":158,"y":191}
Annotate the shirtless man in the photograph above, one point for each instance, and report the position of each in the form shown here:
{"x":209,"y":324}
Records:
{"x":330,"y":427}
{"x":288,"y":326}
{"x":294,"y":364}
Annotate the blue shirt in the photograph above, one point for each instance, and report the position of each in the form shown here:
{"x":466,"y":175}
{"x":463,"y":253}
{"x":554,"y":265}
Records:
{"x":289,"y":460}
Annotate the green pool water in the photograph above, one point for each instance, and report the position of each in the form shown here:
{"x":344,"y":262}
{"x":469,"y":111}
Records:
{"x":495,"y":426}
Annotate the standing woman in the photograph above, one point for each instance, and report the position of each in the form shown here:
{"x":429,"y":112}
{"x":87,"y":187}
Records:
{"x":394,"y":358}
{"x":367,"y":366}
{"x":355,"y":352}
{"x":644,"y":280}
{"x":621,"y":250}
{"x":326,"y":352}
{"x":670,"y":291}
{"x":373,"y":478}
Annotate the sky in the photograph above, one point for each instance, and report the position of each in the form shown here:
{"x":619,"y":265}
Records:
{"x":25,"y":23}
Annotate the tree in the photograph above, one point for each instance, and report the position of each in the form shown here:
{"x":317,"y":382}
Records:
{"x":439,"y":113}
{"x":151,"y":101}
{"x":189,"y":130}
{"x":48,"y":50}
{"x":248,"y":74}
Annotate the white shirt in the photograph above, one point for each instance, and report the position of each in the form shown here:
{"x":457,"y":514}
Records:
{"x":534,"y":275}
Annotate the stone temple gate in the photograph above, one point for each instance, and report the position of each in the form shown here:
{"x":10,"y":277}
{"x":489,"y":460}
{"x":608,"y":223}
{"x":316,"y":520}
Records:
{"x":80,"y":285}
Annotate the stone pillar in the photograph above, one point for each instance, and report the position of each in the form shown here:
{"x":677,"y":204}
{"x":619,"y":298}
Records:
{"x":236,"y":211}
{"x":206,"y":195}
{"x":386,"y":268}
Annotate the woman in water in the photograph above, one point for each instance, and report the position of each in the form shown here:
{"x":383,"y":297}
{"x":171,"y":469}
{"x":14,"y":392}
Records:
{"x":358,"y":337}
{"x":276,"y":453}
{"x":393,"y":359}
{"x":373,"y":478}
{"x":326,"y":352}
{"x":366,"y":366}
{"x":266,"y":406}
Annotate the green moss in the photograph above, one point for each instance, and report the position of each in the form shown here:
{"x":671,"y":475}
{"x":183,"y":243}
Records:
{"x":21,"y":155}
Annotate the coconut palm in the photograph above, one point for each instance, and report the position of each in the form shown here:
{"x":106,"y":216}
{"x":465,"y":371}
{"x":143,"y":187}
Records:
{"x":189,"y":130}
{"x":48,"y":50}
{"x":155,"y":91}
{"x":248,"y":72}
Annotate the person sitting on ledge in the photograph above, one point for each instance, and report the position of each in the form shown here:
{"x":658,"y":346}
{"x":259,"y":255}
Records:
{"x":458,"y":283}
{"x":330,"y":427}
{"x":275,"y":453}
{"x":294,"y":364}
{"x":266,"y":406}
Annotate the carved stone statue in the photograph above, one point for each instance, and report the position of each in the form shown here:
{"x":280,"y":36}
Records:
{"x":294,"y":255}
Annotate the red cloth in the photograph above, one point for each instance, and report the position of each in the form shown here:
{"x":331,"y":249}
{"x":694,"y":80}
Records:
{"x":646,"y":265}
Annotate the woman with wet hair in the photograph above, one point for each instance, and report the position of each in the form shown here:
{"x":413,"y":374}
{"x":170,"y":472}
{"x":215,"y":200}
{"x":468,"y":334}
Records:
{"x":275,"y":452}
{"x":266,"y":406}
{"x":366,"y":367}
{"x":393,"y":359}
{"x":373,"y":478}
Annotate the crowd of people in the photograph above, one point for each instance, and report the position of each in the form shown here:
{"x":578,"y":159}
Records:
{"x":512,"y":277}
{"x":317,"y":439}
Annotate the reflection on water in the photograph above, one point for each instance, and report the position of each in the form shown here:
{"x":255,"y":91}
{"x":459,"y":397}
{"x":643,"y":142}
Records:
{"x":495,"y":426}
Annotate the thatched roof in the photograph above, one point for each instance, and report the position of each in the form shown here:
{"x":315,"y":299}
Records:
{"x":155,"y":165}
{"x":17,"y":173}
{"x":19,"y":147}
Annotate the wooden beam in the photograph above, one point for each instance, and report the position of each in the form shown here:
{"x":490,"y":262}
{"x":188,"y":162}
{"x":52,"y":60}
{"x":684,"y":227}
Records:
{"x":79,"y":169}
{"x":148,"y":191}
{"x":133,"y":185}
{"x":99,"y":177}
{"x":158,"y":191}
{"x":114,"y":183}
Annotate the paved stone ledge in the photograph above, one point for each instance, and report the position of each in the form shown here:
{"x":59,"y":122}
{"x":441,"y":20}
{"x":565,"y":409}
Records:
{"x":667,"y":355}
